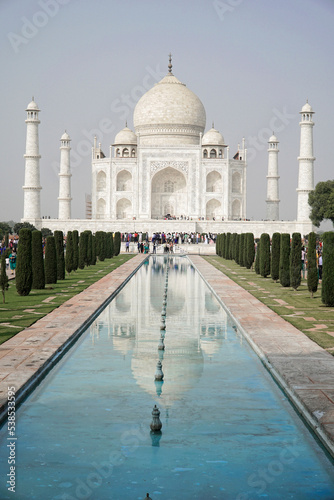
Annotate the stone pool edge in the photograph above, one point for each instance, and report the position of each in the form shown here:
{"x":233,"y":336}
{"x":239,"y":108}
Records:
{"x":27,"y":357}
{"x":307,"y":382}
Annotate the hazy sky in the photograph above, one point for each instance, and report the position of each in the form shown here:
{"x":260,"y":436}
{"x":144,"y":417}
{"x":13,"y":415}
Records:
{"x":253,"y":64}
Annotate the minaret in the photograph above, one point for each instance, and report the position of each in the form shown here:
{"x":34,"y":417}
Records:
{"x":32,"y":188}
{"x":272,"y":180}
{"x":305,"y":159}
{"x":65,"y":178}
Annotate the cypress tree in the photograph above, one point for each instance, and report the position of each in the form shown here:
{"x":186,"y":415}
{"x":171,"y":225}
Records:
{"x":93,"y":250}
{"x":3,"y":276}
{"x":275,"y":253}
{"x":98,"y":236}
{"x":59,"y":241}
{"x":24,"y":263}
{"x":227,"y":246}
{"x":38,"y":274}
{"x":327,"y":288}
{"x":223,"y":245}
{"x":83,"y":249}
{"x":241,"y":249}
{"x":257,"y":258}
{"x":284,"y":262}
{"x":111,"y":244}
{"x":6,"y":239}
{"x":312,"y":271}
{"x":295,"y":260}
{"x":108,"y":246}
{"x":89,"y":248}
{"x":117,"y":243}
{"x":265,"y":255}
{"x":50,"y":260}
{"x":234,"y":243}
{"x":75,"y":236}
{"x":237,"y":248}
{"x":217,"y":244}
{"x":250,"y":250}
{"x":69,"y":257}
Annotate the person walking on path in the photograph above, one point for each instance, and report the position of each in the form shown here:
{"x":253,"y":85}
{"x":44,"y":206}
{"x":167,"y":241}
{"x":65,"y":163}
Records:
{"x":12,"y":261}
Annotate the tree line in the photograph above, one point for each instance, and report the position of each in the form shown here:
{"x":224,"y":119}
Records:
{"x":281,"y":258}
{"x":34,"y":269}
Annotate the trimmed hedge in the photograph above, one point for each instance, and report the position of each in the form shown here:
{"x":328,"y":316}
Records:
{"x":275,"y":256}
{"x":284,"y":262}
{"x":295,"y":260}
{"x":59,"y":241}
{"x":312,"y":270}
{"x":327,"y":289}
{"x":69,"y":257}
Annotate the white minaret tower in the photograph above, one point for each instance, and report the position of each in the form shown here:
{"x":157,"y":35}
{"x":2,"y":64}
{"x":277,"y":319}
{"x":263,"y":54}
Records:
{"x":305,"y":159}
{"x":65,"y":178}
{"x":32,"y":188}
{"x":272,"y":180}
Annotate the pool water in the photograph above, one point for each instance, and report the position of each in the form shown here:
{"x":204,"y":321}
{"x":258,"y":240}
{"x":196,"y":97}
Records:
{"x":228,"y":431}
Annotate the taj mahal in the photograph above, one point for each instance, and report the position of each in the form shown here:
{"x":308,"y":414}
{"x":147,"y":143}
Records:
{"x":169,"y":173}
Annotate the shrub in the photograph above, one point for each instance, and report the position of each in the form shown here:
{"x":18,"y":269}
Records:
{"x":89,"y":248}
{"x":24,"y":263}
{"x":223,"y":245}
{"x":50,"y":260}
{"x":265,"y":255}
{"x":284,"y":260}
{"x":295,"y":260}
{"x":69,"y":257}
{"x":312,"y":271}
{"x":275,"y":254}
{"x":59,"y":241}
{"x":93,"y":250}
{"x":327,"y":289}
{"x":227,"y":246}
{"x":38,"y":274}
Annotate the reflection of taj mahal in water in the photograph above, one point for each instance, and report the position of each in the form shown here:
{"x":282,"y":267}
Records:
{"x":169,"y":165}
{"x":133,"y":336}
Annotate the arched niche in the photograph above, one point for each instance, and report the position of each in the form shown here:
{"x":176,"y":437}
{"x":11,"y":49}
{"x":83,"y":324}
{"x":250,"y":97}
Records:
{"x":213,"y":209}
{"x":124,"y":181}
{"x":236,"y":209}
{"x":101,"y":208}
{"x":168,"y":193}
{"x":213,"y":182}
{"x":101,"y":181}
{"x":236,"y":182}
{"x":124,"y":209}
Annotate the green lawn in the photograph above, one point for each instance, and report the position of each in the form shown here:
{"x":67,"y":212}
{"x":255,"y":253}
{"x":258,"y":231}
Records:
{"x":19,"y":312}
{"x":302,"y":311}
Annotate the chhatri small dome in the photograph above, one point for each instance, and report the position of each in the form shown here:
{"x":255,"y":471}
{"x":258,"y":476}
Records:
{"x":273,"y":138}
{"x":213,"y":138}
{"x":32,"y":106}
{"x":307,"y":108}
{"x":125,"y":136}
{"x":169,"y":113}
{"x":65,"y":137}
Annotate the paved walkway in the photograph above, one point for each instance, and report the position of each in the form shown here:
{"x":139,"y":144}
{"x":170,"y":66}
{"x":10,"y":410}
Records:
{"x":301,"y":367}
{"x":25,"y":357}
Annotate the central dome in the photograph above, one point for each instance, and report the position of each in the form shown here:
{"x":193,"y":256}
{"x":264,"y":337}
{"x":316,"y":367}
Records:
{"x":169,"y":114}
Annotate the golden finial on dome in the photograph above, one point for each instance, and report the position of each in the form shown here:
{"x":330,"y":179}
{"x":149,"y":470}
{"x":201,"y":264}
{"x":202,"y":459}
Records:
{"x":170,"y":65}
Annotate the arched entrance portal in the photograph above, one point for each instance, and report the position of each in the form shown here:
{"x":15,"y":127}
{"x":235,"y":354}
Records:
{"x":168,"y":194}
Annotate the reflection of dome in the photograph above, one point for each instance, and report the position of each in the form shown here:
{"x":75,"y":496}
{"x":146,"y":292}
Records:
{"x":125,"y":136}
{"x":181,"y":371}
{"x":213,"y":138}
{"x":169,"y":113}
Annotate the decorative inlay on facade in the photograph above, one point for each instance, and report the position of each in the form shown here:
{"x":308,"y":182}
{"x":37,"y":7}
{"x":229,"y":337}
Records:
{"x":179,"y":165}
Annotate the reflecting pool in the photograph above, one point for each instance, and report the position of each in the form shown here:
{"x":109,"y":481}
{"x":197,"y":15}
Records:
{"x":228,"y":432}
